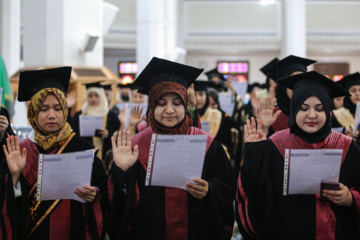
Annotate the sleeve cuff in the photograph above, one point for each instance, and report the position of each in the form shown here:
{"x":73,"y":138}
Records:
{"x":17,"y":190}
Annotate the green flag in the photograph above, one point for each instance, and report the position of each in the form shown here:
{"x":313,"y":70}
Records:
{"x":7,"y":96}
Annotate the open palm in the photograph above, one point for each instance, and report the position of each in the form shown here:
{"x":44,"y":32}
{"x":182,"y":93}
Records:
{"x":15,"y":159}
{"x":124,"y":156}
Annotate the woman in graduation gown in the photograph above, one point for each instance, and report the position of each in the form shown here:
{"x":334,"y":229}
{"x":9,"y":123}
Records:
{"x":22,"y":216}
{"x":262,"y":210}
{"x":219,"y":126}
{"x":288,"y":66}
{"x":97,"y":105}
{"x":345,"y":116}
{"x":205,"y":210}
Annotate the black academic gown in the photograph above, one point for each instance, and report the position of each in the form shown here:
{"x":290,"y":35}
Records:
{"x":112,"y":125}
{"x":141,"y":212}
{"x":69,"y":219}
{"x":264,"y":213}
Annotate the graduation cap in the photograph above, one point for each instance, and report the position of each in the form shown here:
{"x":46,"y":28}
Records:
{"x":161,"y":70}
{"x":215,"y":73}
{"x":93,"y":85}
{"x":203,"y":85}
{"x":30,"y":82}
{"x":251,"y":87}
{"x":334,"y":89}
{"x":106,"y":86}
{"x":268,"y":70}
{"x":350,"y":80}
{"x":290,"y":64}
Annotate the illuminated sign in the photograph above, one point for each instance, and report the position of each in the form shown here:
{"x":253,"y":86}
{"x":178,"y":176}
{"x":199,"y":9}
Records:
{"x":234,"y":71}
{"x":128,"y":68}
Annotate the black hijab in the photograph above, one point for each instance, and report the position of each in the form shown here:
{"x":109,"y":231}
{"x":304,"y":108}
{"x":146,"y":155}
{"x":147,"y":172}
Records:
{"x":282,"y":99}
{"x":301,"y":92}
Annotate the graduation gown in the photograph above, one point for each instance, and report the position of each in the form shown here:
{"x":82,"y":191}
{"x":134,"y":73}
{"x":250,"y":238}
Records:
{"x":64,"y":219}
{"x":264,"y":213}
{"x":112,"y":125}
{"x":153,"y":212}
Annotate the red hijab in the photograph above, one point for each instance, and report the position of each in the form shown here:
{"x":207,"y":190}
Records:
{"x":158,"y":91}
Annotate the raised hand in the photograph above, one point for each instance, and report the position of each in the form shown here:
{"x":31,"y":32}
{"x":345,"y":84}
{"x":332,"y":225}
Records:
{"x":191,"y":96}
{"x":253,"y":133}
{"x":135,"y":115}
{"x":266,"y":113}
{"x":15,"y":159}
{"x":4,"y":123}
{"x":124,"y":156}
{"x":255,"y":104}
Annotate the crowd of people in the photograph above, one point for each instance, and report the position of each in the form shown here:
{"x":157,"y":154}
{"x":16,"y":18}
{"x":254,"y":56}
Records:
{"x":244,"y":169}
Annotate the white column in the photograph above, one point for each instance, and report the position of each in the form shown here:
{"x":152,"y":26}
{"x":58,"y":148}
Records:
{"x":294,"y":28}
{"x":53,"y":32}
{"x":156,"y":30}
{"x":10,"y":34}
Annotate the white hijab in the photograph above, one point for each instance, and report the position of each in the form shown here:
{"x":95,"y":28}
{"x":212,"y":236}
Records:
{"x":100,"y":110}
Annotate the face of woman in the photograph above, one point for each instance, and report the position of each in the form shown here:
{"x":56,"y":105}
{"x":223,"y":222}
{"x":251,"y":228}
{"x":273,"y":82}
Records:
{"x":212,"y":103}
{"x":169,"y":110}
{"x":311,"y":116}
{"x":93,"y":99}
{"x":200,"y":99}
{"x":51,"y":117}
{"x":137,"y":97}
{"x":355,"y":93}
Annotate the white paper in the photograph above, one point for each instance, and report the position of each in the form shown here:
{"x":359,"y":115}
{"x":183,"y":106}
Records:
{"x":205,"y":126}
{"x":120,"y":106}
{"x":178,"y":159}
{"x":130,"y":106}
{"x":357,"y":119}
{"x":338,"y":129}
{"x":227,"y":102}
{"x":308,"y":167}
{"x":89,"y":124}
{"x":63,"y":173}
{"x":240,"y":88}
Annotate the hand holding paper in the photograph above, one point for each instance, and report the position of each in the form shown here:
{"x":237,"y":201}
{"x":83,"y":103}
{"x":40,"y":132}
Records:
{"x":124,"y":157}
{"x":199,"y":189}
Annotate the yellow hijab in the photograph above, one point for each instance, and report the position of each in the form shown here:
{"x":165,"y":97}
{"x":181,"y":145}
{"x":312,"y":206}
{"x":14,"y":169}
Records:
{"x":48,"y":140}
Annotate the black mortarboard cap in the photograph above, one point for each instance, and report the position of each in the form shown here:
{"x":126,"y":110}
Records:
{"x":350,"y":80}
{"x":94,"y":84}
{"x":161,"y":70}
{"x":32,"y":81}
{"x":268,"y":70}
{"x":203,"y":85}
{"x":290,"y":64}
{"x":334,"y":89}
{"x":106,"y":86}
{"x":215,"y":73}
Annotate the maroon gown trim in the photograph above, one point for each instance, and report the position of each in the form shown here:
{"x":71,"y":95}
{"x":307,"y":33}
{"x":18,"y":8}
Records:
{"x":356,"y":196}
{"x":325,"y":217}
{"x":60,"y":218}
{"x":244,"y":217}
{"x":8,"y":228}
{"x":281,"y":123}
{"x":176,"y":200}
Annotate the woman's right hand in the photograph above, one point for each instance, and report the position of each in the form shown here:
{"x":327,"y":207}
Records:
{"x":15,"y":159}
{"x":253,"y":133}
{"x":124,"y":156}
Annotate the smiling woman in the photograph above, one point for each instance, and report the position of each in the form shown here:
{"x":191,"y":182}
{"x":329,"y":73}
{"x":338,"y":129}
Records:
{"x":263,"y":212}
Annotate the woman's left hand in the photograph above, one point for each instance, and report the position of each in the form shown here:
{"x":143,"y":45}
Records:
{"x":342,"y":197}
{"x":199,"y":189}
{"x":86,"y":193}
